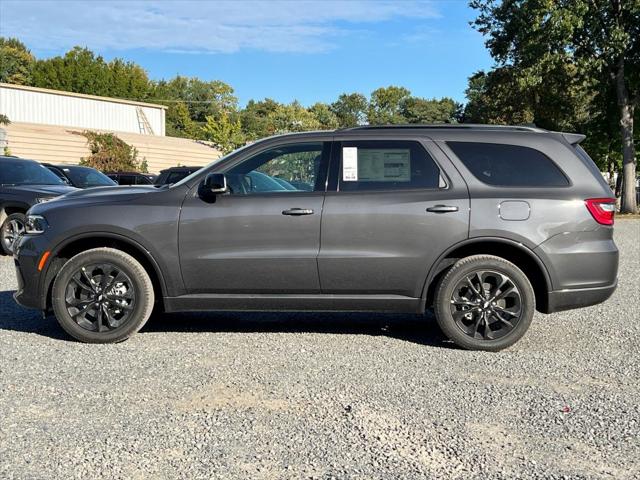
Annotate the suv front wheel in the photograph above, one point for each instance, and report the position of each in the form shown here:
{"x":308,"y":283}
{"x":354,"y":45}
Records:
{"x":102,"y":295}
{"x":484,"y":302}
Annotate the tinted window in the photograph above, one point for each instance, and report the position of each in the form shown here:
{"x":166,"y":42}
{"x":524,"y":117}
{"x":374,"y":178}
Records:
{"x":284,"y":169}
{"x":26,"y":172}
{"x":175,"y":177}
{"x":509,"y":165}
{"x":386,"y":165}
{"x":85,"y":177}
{"x":142,"y":180}
{"x":126,"y":180}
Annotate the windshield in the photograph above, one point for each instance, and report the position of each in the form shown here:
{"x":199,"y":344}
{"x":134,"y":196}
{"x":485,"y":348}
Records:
{"x":85,"y":177}
{"x":26,"y":172}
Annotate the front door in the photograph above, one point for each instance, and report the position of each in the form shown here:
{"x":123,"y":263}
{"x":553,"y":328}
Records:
{"x":393,"y":210}
{"x":263,"y":236}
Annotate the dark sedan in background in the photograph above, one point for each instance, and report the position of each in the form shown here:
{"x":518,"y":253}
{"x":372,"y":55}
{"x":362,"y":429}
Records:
{"x":80,"y":176}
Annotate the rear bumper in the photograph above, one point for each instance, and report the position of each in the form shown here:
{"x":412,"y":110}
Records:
{"x":568,"y":299}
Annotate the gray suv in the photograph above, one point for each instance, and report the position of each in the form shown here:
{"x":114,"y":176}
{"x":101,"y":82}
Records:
{"x":484,"y":224}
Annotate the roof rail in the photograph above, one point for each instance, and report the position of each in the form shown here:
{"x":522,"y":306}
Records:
{"x":447,"y":126}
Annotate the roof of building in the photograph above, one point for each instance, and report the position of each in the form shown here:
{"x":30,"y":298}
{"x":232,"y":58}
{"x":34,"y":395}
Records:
{"x":79,"y":95}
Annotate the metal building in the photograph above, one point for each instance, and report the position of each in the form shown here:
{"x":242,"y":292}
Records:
{"x":54,"y":107}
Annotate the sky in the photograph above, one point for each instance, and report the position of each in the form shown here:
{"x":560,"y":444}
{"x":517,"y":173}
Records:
{"x":286,"y":50}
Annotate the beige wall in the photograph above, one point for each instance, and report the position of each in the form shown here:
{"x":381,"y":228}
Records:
{"x":47,"y":143}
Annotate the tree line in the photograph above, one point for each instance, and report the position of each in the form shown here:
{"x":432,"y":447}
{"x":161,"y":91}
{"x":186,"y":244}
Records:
{"x":567,"y":65}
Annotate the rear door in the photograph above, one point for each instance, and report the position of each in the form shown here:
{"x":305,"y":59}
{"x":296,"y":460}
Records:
{"x":393,"y":206}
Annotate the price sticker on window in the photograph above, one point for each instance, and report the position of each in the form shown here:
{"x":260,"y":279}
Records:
{"x":349,"y":164}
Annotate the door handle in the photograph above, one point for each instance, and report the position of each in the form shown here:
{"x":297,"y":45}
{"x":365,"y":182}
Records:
{"x":442,"y":209}
{"x":296,"y":212}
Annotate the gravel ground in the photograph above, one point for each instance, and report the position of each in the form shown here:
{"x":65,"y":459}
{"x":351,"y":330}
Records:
{"x":324,"y":396}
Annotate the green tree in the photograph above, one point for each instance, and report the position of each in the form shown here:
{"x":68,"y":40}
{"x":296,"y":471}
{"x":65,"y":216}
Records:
{"x":292,"y":118}
{"x":16,"y":62}
{"x":110,"y":153}
{"x":224,"y":132}
{"x":255,"y":118}
{"x":422,"y":110}
{"x":350,"y":109}
{"x":179,"y":123}
{"x":203,"y":98}
{"x":385,"y":106}
{"x":325,"y":116}
{"x":598,"y":39}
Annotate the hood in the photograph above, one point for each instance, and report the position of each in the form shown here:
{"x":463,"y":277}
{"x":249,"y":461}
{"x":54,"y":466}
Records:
{"x":113,"y":192}
{"x":96,"y":195}
{"x":48,"y":190}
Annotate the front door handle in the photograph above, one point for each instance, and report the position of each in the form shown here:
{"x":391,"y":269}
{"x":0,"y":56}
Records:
{"x":296,"y":212}
{"x":442,"y":209}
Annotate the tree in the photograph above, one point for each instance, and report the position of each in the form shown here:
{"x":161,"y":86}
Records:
{"x":599,"y":39}
{"x":385,"y":106}
{"x":350,"y":109}
{"x":324,"y":115}
{"x":16,"y":62}
{"x":292,"y":118}
{"x":224,"y":132}
{"x":255,"y":118}
{"x":179,"y":123}
{"x":422,"y":110}
{"x":110,"y":153}
{"x":202,"y":98}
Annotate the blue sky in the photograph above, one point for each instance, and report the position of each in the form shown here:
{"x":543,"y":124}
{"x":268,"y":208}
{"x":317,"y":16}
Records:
{"x":286,"y":50}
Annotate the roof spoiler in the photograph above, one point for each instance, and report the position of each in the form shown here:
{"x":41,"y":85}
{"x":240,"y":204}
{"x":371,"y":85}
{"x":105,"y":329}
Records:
{"x":573,"y":138}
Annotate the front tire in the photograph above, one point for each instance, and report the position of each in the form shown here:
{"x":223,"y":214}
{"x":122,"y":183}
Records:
{"x":484,"y":302}
{"x":102,"y":295}
{"x":12,"y":227}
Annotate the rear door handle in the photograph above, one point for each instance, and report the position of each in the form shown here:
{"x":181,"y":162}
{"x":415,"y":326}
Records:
{"x":296,"y":212}
{"x":442,"y":209}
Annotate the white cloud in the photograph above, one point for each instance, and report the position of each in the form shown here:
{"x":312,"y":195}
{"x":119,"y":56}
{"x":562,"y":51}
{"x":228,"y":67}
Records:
{"x":198,"y":26}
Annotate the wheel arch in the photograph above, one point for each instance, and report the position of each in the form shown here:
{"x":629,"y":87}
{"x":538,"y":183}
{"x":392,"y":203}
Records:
{"x":83,"y":242}
{"x":9,"y":208}
{"x":515,"y":252}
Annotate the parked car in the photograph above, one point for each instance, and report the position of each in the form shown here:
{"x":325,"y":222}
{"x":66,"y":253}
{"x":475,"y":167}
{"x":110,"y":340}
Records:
{"x":484,"y":224}
{"x":23,"y":183}
{"x":80,"y":176}
{"x":174,"y":175}
{"x":131,"y":178}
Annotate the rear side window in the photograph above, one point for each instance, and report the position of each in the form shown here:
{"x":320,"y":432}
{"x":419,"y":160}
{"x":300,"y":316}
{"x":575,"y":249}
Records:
{"x":386,"y":165}
{"x":509,"y":165}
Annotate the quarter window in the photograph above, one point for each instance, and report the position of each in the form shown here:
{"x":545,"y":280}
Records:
{"x":386,"y":165}
{"x":509,"y":165}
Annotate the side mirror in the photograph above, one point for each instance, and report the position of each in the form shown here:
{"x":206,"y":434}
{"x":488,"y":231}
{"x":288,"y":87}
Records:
{"x":215,"y":183}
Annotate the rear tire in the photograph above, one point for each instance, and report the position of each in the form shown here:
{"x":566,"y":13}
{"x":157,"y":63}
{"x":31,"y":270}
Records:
{"x":484,"y":302}
{"x":102,"y":295}
{"x":12,"y":226}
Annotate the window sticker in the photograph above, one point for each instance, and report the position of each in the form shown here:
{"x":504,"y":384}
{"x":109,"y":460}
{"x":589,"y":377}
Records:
{"x":384,"y":165}
{"x":349,"y":164}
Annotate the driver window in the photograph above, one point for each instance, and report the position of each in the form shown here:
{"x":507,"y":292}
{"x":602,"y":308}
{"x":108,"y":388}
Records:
{"x":284,"y":169}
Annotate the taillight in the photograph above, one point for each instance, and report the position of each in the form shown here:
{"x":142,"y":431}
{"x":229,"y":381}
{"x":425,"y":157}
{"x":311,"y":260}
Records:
{"x":602,"y":209}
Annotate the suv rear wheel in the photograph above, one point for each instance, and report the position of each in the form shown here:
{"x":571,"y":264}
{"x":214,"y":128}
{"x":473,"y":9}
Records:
{"x":484,"y":303}
{"x":12,"y":227}
{"x":102,"y":295}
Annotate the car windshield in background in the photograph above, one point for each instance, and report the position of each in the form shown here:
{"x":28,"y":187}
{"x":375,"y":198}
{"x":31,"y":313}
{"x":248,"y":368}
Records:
{"x":85,"y":177}
{"x":26,"y":172}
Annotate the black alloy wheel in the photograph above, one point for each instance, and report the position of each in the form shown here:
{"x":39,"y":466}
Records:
{"x":486,"y":304}
{"x":100,"y":297}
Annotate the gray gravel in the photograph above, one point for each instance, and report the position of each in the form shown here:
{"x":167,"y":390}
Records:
{"x":324,"y":396}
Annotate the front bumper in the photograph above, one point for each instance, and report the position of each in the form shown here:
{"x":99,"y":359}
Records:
{"x":568,"y":299}
{"x":26,"y":256}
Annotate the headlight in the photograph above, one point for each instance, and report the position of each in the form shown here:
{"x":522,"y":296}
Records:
{"x":35,"y":224}
{"x":44,"y":199}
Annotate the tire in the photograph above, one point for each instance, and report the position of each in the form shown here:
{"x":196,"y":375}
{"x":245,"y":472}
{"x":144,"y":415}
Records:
{"x":466,"y":313}
{"x":107,"y":302}
{"x":12,"y":226}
